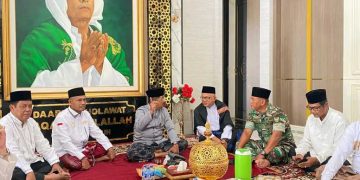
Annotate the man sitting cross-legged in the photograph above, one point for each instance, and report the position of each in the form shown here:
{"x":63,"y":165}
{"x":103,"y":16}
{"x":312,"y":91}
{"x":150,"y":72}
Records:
{"x":70,"y":134}
{"x":35,"y":158}
{"x":218,"y":115}
{"x":348,"y":146}
{"x":272,"y":124}
{"x":323,"y":130}
{"x":150,"y":121}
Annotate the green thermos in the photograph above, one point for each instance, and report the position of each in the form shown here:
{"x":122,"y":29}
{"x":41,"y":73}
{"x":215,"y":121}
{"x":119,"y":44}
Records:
{"x":243,"y":164}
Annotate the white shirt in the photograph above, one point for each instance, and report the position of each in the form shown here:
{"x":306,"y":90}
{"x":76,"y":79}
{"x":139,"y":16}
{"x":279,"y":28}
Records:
{"x":343,"y":151}
{"x":71,"y":132}
{"x":23,"y":139}
{"x":214,"y":120}
{"x":321,"y":137}
{"x":7,"y":167}
{"x":69,"y":74}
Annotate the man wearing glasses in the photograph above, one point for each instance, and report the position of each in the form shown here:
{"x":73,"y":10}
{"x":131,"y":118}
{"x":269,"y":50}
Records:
{"x":323,"y":130}
{"x":216,"y":112}
{"x":273,"y":127}
{"x":70,"y":134}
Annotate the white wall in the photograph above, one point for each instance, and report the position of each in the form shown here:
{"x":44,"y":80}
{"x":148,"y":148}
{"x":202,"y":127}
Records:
{"x":266,"y":26}
{"x":202,"y":45}
{"x":351,"y":60}
{"x":232,"y":51}
{"x":176,"y":43}
{"x":259,"y":70}
{"x":253,"y":46}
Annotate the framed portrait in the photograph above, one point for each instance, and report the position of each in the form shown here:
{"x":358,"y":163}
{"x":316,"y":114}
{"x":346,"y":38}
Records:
{"x":50,"y":46}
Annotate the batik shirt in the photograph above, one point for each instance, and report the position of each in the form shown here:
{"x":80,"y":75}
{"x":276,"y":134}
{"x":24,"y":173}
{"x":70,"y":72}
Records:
{"x":274,"y":119}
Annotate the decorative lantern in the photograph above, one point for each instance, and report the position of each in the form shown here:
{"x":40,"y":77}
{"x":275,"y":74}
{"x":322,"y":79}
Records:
{"x":208,"y":159}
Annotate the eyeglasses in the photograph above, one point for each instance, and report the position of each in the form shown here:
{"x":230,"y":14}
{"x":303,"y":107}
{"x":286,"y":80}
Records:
{"x":314,"y":108}
{"x":205,"y":97}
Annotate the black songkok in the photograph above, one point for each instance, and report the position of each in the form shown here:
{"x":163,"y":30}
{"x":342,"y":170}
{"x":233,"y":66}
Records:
{"x":20,"y":96}
{"x":315,"y":96}
{"x":155,"y":92}
{"x":76,"y":92}
{"x":260,"y":92}
{"x":208,"y":89}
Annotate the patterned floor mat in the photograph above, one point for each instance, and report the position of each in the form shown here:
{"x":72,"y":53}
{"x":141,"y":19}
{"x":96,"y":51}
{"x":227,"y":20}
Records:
{"x":123,"y":147}
{"x":289,"y":171}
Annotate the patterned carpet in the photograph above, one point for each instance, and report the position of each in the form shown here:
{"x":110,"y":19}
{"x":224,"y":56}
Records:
{"x":288,"y":171}
{"x":122,"y":148}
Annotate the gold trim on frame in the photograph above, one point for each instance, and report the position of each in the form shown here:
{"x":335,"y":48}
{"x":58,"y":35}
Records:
{"x":7,"y":84}
{"x":106,"y":102}
{"x":119,"y":139}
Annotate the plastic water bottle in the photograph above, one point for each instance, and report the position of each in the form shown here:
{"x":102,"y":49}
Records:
{"x":243,"y":164}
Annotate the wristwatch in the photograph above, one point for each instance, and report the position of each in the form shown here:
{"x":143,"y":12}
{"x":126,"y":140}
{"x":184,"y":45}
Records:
{"x":226,"y":140}
{"x":263,"y":153}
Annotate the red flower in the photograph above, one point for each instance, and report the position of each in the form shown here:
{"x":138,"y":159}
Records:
{"x":174,"y":90}
{"x":186,"y":95}
{"x":185,"y":92}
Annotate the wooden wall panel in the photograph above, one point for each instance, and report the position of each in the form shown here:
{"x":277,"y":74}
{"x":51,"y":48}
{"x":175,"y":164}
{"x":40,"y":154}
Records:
{"x":327,"y":39}
{"x":293,"y":39}
{"x":290,"y":62}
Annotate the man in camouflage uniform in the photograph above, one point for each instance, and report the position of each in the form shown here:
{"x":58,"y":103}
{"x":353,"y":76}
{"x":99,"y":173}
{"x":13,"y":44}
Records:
{"x":272,"y":125}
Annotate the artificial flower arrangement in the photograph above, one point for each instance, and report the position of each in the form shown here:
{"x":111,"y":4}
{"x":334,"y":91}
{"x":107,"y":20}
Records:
{"x":183,"y":93}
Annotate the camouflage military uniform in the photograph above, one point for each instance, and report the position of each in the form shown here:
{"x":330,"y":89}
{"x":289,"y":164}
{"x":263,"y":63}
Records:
{"x":264,"y":123}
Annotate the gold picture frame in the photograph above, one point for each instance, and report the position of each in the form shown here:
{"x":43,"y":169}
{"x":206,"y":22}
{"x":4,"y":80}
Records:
{"x":10,"y":51}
